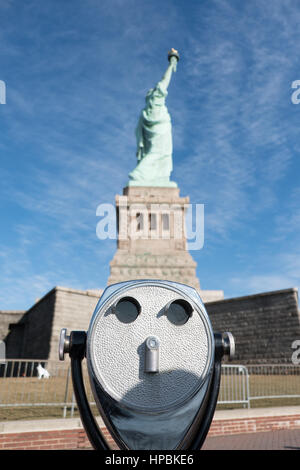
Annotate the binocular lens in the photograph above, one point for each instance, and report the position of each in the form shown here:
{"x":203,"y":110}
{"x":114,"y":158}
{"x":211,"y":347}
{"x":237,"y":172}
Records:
{"x":127,"y":309}
{"x":179,"y":311}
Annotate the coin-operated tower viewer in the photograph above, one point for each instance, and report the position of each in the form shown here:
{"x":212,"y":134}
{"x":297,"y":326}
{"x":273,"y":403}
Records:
{"x":154,"y":365}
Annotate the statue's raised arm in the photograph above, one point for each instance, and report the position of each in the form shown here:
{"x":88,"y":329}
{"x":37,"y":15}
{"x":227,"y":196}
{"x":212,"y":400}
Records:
{"x":154,"y":135}
{"x":173,"y":59}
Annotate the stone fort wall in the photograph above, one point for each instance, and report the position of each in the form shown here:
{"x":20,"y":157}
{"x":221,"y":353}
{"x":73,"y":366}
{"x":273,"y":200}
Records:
{"x":264,"y":325}
{"x":36,"y":334}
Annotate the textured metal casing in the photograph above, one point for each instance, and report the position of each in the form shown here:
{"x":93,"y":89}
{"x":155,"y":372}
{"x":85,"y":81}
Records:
{"x":132,"y":401}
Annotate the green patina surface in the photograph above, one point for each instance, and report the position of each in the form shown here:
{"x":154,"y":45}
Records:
{"x":154,"y":137}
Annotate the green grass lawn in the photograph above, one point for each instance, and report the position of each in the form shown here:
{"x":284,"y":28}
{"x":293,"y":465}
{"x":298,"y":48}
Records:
{"x":26,"y":390}
{"x":263,"y":386}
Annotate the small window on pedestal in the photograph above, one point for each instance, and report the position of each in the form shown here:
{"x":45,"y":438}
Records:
{"x":165,"y":222}
{"x":140,"y":221}
{"x":152,"y":221}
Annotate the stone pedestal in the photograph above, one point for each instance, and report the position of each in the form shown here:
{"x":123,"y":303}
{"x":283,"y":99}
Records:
{"x":151,"y":237}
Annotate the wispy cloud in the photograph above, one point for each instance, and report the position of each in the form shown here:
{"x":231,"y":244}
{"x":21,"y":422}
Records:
{"x":241,"y":138}
{"x":282,"y":273}
{"x":76,"y":80}
{"x":263,"y":283}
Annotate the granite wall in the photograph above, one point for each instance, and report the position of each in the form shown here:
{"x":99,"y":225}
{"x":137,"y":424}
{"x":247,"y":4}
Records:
{"x":264,"y":325}
{"x":9,"y":323}
{"x":36,"y":334}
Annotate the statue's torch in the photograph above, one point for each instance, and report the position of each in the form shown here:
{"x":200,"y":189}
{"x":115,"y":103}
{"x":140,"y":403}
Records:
{"x":173,"y":58}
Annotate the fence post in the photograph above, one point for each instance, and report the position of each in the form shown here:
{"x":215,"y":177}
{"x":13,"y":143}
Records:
{"x":66,"y":393}
{"x":73,"y":405}
{"x":247,"y":387}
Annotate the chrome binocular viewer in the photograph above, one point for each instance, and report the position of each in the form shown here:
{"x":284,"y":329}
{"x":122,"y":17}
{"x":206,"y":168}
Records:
{"x":154,"y":365}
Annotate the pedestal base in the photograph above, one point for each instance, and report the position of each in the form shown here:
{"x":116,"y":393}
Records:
{"x":157,"y":183}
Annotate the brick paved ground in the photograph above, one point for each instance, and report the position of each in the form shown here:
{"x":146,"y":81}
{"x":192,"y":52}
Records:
{"x":277,"y":429}
{"x":273,"y":440}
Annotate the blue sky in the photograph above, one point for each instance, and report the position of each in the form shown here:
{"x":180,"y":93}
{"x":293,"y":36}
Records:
{"x":76,"y":74}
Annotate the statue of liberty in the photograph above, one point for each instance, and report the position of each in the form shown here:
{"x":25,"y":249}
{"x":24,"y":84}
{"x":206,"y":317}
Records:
{"x":154,"y":135}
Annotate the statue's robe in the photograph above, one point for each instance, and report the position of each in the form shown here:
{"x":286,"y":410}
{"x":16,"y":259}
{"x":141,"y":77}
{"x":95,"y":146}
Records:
{"x":154,"y":142}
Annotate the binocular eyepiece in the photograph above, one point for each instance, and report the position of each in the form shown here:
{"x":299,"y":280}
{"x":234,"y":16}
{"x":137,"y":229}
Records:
{"x":154,"y":365}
